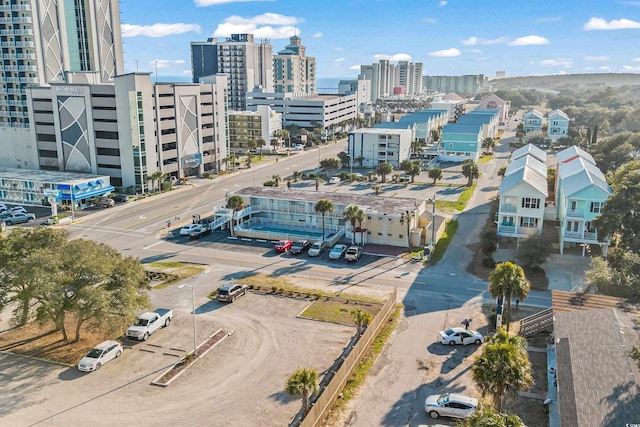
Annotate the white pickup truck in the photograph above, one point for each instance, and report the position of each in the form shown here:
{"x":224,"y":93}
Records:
{"x":149,"y":322}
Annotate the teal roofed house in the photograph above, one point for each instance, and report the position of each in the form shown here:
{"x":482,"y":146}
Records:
{"x":425,"y":121}
{"x":460,"y":142}
{"x":489,"y":119}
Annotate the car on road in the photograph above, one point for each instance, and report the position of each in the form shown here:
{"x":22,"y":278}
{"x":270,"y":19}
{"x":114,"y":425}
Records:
{"x":231,"y":291}
{"x":283,"y":246}
{"x":334,"y":180}
{"x":337,"y":251}
{"x":453,"y":336}
{"x":121,"y":198}
{"x":318,"y":248}
{"x":300,"y":247}
{"x":450,"y":405}
{"x":18,"y":209}
{"x":104,"y":202}
{"x":99,"y":355}
{"x":298,"y":147}
{"x":199,"y":231}
{"x":18,"y":218}
{"x":353,"y":253}
{"x":187,"y":229}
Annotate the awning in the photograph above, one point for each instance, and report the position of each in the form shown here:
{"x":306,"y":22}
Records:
{"x":81,"y":186}
{"x":88,"y":194}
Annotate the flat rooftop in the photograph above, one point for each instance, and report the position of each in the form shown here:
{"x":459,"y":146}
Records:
{"x":390,"y":205}
{"x":46,"y":176}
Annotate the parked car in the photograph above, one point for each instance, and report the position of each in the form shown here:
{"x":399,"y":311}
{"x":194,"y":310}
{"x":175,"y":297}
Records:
{"x":231,"y":291}
{"x":121,"y":198}
{"x":337,"y":252}
{"x":3,"y":207}
{"x":299,"y":247}
{"x":450,"y":405}
{"x":99,"y":355}
{"x":283,"y":246}
{"x":104,"y":202}
{"x":453,"y":336}
{"x":150,"y":322}
{"x":18,"y":209}
{"x":318,"y":248}
{"x":334,"y":180}
{"x":353,"y":253}
{"x":186,"y":230}
{"x":199,"y":230}
{"x":18,"y":218}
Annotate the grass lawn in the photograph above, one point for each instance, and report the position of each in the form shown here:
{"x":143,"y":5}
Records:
{"x":443,"y":243}
{"x":337,"y":310}
{"x":462,"y":201}
{"x":175,"y":272}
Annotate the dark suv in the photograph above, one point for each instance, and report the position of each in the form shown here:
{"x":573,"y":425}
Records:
{"x":231,"y":291}
{"x":299,"y":247}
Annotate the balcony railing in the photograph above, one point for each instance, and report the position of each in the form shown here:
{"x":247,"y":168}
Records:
{"x":508,"y":208}
{"x":581,"y":235}
{"x":575,"y":214}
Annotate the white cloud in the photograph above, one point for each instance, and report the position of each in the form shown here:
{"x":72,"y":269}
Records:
{"x":395,"y":58}
{"x":201,"y":3}
{"x":596,"y":58}
{"x":160,"y":63}
{"x":565,"y":63}
{"x":446,"y":53}
{"x":158,"y":30}
{"x":186,"y":71}
{"x":630,"y":68}
{"x":179,"y":61}
{"x":473,"y":40}
{"x":615,"y":24}
{"x":475,"y":51}
{"x":529,"y":40}
{"x":317,"y":35}
{"x":429,"y":20}
{"x":635,"y":60}
{"x":442,"y":3}
{"x":338,"y":60}
{"x":355,"y":67}
{"x":267,"y":25}
{"x":605,"y":68}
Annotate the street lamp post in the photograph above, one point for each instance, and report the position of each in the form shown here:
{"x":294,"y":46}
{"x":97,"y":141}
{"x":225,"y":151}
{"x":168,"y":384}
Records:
{"x":193,"y":310}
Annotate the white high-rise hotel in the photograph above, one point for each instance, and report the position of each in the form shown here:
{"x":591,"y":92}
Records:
{"x":64,"y":41}
{"x":388,"y":79}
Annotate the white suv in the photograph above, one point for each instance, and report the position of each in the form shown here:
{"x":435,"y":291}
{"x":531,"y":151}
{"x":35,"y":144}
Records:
{"x":187,"y":229}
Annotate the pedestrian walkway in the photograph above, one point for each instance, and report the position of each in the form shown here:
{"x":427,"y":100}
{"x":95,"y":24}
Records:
{"x":554,"y":414}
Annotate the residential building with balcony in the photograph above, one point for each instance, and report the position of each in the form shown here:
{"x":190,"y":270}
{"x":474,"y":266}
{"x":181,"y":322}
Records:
{"x":293,"y":70}
{"x":558,"y":125}
{"x":466,"y":85}
{"x":460,"y":142}
{"x":581,"y":193}
{"x":455,"y":107}
{"x":370,"y":147}
{"x":493,"y":102}
{"x":277,"y":213}
{"x":245,"y":126}
{"x":425,"y":121}
{"x":532,"y":121}
{"x":529,"y":150}
{"x":488,"y":119}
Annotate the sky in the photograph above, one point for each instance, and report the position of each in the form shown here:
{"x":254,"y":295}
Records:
{"x":450,"y":37}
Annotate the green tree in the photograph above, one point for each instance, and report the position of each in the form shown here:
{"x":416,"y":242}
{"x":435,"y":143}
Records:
{"x":384,"y":169}
{"x":323,"y":207}
{"x":25,"y":258}
{"x":503,"y":364}
{"x":470,"y":171}
{"x":411,"y":168}
{"x":260,"y":143}
{"x":617,"y":275}
{"x":345,"y":159}
{"x":236,"y":204}
{"x":296,"y":175}
{"x":509,"y":281}
{"x":252,"y":144}
{"x":353,"y":214}
{"x":435,"y":134}
{"x":534,"y":250}
{"x":407,"y":218}
{"x":158,"y":176}
{"x":377,"y":189}
{"x":415,"y":146}
{"x":361,"y":318}
{"x":435,"y":174}
{"x":620,"y":214}
{"x":488,"y":417}
{"x":551,"y":180}
{"x":276,"y":178}
{"x":613,"y":152}
{"x":488,"y":143}
{"x":303,"y":383}
{"x":330,"y":165}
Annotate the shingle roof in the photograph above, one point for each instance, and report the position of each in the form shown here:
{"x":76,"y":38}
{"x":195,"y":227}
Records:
{"x":525,"y":174}
{"x":597,"y":380}
{"x":573,"y":152}
{"x":529,"y":161}
{"x":529,"y":149}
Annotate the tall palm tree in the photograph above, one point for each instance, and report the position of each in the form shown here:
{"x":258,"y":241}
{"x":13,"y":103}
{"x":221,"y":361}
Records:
{"x":277,"y":179}
{"x":353,"y":214}
{"x":508,"y":281}
{"x":435,"y":174}
{"x":158,"y":176}
{"x":503,"y":364}
{"x":260,"y":143}
{"x":236,"y":204}
{"x":323,"y":206}
{"x":384,"y":169}
{"x":470,"y":171}
{"x":407,"y":217}
{"x":303,"y":383}
{"x":362,"y":319}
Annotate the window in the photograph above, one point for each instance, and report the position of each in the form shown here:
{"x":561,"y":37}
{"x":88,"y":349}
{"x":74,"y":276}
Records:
{"x":530,"y":203}
{"x":574,"y":205}
{"x":572,"y":226}
{"x":528,"y":222}
{"x":106,"y":135}
{"x":596,"y":207}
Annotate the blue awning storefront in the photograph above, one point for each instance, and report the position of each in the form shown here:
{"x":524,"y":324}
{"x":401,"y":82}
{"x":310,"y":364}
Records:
{"x":85,"y":194}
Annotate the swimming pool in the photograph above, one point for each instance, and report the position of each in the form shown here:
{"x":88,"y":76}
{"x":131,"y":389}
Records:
{"x":290,"y":232}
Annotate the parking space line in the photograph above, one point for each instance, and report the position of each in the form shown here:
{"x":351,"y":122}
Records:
{"x":171,"y":354}
{"x":148,"y":351}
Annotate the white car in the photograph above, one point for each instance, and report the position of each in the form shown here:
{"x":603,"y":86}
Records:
{"x":453,"y":336}
{"x":450,"y":405}
{"x":318,"y":248}
{"x":18,"y":209}
{"x":334,"y":180}
{"x":99,"y":355}
{"x":187,"y":229}
{"x":337,"y":252}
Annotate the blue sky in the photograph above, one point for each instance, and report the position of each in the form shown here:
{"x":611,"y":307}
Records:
{"x":450,"y":37}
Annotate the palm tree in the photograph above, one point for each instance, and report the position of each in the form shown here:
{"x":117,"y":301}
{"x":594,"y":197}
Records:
{"x":158,"y":176}
{"x":377,"y":189}
{"x":407,"y":217}
{"x":487,"y":416}
{"x":488,"y":143}
{"x":384,"y":169}
{"x":330,"y":165}
{"x":508,"y":281}
{"x":303,"y":383}
{"x":260,"y":142}
{"x":470,"y":171}
{"x":251,"y":144}
{"x":277,"y":179}
{"x":503,"y":364}
{"x":361,"y":318}
{"x":353,"y":214}
{"x":236,"y":204}
{"x":323,"y":206}
{"x":411,"y":168}
{"x":435,"y":174}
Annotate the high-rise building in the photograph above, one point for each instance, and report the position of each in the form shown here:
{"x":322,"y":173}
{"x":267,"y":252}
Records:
{"x":51,"y":42}
{"x":385,"y":77}
{"x":248,"y":64}
{"x":294,"y":72}
{"x":466,"y":85}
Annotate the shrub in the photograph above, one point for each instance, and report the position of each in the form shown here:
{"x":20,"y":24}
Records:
{"x":269,"y":183}
{"x":167,"y":185}
{"x":488,"y":262}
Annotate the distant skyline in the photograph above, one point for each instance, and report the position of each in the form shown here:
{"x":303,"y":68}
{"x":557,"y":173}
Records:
{"x":450,"y":37}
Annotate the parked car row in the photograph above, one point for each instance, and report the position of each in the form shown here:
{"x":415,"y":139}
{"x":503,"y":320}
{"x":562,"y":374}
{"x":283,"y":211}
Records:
{"x":317,"y":248}
{"x":16,"y":217}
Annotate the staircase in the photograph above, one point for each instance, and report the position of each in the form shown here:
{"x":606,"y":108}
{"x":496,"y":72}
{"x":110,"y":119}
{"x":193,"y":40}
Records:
{"x":541,"y":321}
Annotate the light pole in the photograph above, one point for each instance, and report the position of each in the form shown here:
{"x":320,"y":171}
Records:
{"x":433,"y":223}
{"x":193,"y":310}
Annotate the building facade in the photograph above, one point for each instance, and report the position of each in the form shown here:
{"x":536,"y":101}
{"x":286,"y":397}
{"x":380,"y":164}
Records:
{"x":370,"y":147}
{"x":558,"y":125}
{"x":245,"y":126}
{"x":532,"y":122}
{"x":385,"y":76}
{"x":293,"y":70}
{"x":466,"y":85}
{"x":493,"y":102}
{"x":204,"y":59}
